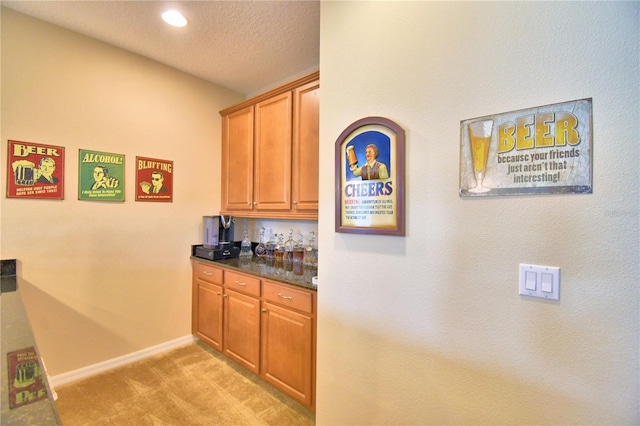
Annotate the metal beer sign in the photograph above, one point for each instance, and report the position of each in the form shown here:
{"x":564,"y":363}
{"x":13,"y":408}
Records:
{"x":35,"y":170}
{"x":541,"y":150}
{"x":100,"y":176}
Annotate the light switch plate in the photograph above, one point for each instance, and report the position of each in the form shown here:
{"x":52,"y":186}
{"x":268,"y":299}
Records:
{"x":540,"y":281}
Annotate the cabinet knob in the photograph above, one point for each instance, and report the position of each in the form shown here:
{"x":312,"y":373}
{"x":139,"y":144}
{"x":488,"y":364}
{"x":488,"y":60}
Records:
{"x":295,"y":202}
{"x":225,"y":295}
{"x":218,"y":293}
{"x":255,"y":203}
{"x":263,"y":310}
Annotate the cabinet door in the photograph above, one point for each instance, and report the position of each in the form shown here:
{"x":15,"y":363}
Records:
{"x":287,"y":342}
{"x":272,"y":157}
{"x":209,"y":313}
{"x":237,"y":160}
{"x":305,"y":169}
{"x":242,"y":330}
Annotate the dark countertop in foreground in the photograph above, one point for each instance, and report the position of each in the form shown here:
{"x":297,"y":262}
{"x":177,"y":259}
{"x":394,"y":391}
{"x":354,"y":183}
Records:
{"x":16,"y":335}
{"x":294,"y":274}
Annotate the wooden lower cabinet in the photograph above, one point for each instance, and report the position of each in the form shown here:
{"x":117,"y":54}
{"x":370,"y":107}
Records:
{"x":288,"y":340}
{"x":267,"y":327}
{"x":286,"y":346}
{"x":206,"y":317}
{"x":242,"y":330}
{"x":210,"y":314}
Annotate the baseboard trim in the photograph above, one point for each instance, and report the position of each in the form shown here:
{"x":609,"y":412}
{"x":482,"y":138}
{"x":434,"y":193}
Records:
{"x":92,"y":370}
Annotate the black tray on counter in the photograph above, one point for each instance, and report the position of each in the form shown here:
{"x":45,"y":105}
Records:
{"x":215,"y":253}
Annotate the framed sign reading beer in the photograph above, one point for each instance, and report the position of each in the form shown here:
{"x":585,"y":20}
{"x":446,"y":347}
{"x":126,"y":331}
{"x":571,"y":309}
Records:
{"x":100,"y":176}
{"x":35,"y":170}
{"x":541,"y":150}
{"x":370,"y":178}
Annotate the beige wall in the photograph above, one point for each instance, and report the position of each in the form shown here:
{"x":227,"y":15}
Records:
{"x":429,"y":328}
{"x":106,"y":279}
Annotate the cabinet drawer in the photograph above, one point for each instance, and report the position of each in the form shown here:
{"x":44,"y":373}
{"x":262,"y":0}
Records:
{"x":287,"y":296}
{"x":242,"y":283}
{"x":207,"y":273}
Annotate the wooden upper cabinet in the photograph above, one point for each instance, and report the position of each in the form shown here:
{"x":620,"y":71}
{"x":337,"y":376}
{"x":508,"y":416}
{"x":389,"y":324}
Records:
{"x":237,"y":160}
{"x":305,"y":164}
{"x":272,"y":153}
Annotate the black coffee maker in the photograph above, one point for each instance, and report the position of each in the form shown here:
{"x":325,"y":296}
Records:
{"x":218,"y":235}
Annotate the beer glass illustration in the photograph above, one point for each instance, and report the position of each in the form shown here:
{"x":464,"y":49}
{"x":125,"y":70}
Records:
{"x":352,"y":158}
{"x":23,"y":172}
{"x":479,"y":141}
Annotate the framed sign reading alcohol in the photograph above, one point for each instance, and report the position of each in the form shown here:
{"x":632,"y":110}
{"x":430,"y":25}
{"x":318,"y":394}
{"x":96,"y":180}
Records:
{"x":100,"y":176}
{"x":370,"y":178}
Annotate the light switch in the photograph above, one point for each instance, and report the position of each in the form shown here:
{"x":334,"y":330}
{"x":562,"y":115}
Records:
{"x":540,"y":281}
{"x":546,"y":282}
{"x":530,"y":280}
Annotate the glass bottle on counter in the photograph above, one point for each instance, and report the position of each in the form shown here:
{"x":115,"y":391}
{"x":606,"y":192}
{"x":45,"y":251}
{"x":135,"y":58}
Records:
{"x":311,"y":252}
{"x":298,"y":250}
{"x":261,"y":250}
{"x":280,"y":249}
{"x":245,"y":246}
{"x":270,"y":246}
{"x":288,"y":247}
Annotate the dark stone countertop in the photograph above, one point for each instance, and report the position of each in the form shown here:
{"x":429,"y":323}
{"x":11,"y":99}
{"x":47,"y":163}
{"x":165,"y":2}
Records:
{"x":289,"y":273}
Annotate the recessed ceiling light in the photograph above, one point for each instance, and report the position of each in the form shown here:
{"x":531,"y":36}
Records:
{"x":175,"y":18}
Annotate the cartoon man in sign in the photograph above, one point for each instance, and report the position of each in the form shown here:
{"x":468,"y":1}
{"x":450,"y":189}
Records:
{"x":372,"y":169}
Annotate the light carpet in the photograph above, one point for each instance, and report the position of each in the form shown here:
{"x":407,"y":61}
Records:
{"x":192,"y":385}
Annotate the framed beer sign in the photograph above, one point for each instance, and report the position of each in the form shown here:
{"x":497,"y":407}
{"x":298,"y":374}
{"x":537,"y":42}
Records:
{"x":541,"y":150}
{"x":100,"y":176}
{"x":370,"y":171}
{"x":35,"y":170}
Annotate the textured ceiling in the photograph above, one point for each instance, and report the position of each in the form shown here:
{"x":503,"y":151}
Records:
{"x":246,"y":46}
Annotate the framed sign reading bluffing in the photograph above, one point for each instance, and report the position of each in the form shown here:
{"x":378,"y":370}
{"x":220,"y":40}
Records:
{"x":154,"y":180}
{"x":370,"y":178}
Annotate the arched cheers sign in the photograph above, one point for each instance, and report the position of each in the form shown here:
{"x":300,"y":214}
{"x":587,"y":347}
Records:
{"x":370,"y":178}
